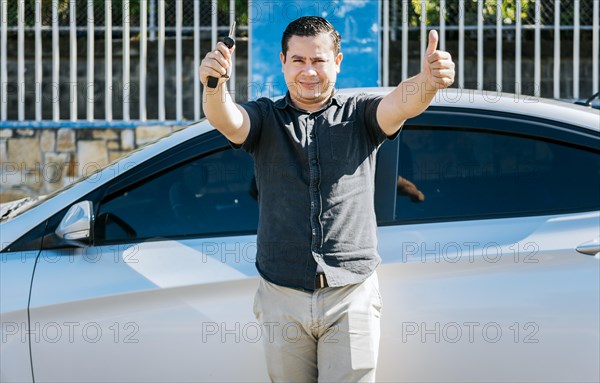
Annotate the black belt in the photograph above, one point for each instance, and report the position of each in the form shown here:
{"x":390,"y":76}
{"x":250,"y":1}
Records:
{"x":320,"y":281}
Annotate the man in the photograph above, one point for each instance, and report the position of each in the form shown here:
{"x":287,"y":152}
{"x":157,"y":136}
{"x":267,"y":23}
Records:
{"x":314,"y":153}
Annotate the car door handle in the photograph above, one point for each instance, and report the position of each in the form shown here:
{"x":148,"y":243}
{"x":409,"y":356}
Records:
{"x":590,"y":248}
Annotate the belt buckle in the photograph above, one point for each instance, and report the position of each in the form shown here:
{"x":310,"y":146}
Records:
{"x":321,"y":281}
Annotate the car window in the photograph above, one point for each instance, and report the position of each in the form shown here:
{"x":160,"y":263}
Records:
{"x":214,"y":194}
{"x":448,"y":174}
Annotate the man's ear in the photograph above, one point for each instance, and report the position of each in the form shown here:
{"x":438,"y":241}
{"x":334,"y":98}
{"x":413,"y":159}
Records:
{"x":338,"y":61}
{"x":282,"y":57}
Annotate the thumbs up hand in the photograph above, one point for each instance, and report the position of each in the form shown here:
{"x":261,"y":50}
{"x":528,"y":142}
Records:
{"x":438,"y":66}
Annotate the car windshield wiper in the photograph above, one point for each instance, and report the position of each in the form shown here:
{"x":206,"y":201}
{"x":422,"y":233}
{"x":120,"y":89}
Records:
{"x":12,"y":208}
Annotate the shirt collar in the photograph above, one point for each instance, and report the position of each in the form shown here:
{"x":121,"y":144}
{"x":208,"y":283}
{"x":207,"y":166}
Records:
{"x":286,"y":101}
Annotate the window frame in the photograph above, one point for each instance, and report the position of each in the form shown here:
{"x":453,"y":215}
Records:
{"x":511,"y":124}
{"x":205,"y":145}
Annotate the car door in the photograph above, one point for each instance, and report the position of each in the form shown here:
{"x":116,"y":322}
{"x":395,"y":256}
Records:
{"x":481,"y":278}
{"x":165,"y":292}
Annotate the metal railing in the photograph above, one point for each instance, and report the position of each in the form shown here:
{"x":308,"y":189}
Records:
{"x":186,"y":20}
{"x":553,"y":10}
{"x":92,"y":29}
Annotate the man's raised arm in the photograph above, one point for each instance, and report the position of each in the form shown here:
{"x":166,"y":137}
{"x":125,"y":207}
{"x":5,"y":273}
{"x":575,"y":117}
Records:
{"x":413,"y":95}
{"x":226,"y":116}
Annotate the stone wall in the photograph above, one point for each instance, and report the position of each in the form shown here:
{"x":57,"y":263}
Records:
{"x":39,"y":161}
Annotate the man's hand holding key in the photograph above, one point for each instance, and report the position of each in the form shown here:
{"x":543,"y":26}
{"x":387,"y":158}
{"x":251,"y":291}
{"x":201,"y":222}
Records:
{"x":216,"y":66}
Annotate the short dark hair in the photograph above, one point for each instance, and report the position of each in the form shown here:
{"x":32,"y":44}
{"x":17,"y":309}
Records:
{"x":310,"y":26}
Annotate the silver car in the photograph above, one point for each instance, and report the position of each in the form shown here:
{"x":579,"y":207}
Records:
{"x":489,"y":225}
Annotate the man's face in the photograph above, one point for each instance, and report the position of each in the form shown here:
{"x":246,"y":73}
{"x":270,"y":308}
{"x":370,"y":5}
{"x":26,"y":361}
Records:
{"x":310,"y":69}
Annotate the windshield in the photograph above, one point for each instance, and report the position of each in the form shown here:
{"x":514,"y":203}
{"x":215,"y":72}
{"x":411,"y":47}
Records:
{"x":9,"y":210}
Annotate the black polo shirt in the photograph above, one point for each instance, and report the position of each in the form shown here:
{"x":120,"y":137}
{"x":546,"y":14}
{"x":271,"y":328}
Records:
{"x":315,"y":174}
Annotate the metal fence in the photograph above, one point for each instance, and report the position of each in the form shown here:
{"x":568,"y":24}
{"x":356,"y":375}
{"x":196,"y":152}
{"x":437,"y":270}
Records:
{"x":69,"y":18}
{"x":484,"y":20}
{"x":124,"y":25}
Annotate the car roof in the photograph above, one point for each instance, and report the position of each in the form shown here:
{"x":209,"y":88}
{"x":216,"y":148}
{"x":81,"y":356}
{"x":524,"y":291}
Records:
{"x":494,"y":101}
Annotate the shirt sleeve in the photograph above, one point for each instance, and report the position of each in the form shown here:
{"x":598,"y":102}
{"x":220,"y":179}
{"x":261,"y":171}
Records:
{"x":370,"y":115}
{"x":257,"y":111}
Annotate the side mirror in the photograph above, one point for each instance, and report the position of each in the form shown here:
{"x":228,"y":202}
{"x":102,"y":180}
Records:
{"x":76,"y":226}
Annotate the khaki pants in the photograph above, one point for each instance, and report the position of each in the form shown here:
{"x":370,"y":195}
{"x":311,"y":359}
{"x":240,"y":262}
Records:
{"x":329,"y":335}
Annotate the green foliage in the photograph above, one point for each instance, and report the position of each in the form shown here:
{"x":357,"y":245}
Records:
{"x":241,"y":10}
{"x":452,"y":11}
{"x":509,"y":10}
{"x":469,"y":13}
{"x":64,"y":10}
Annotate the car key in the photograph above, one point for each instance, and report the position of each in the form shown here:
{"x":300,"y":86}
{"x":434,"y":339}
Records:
{"x":229,"y":42}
